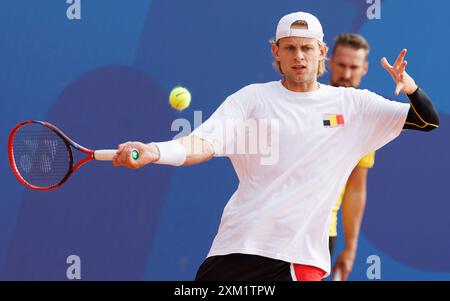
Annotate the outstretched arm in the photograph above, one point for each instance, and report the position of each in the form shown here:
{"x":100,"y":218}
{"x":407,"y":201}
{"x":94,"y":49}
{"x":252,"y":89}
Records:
{"x":187,"y":150}
{"x":422,"y":115}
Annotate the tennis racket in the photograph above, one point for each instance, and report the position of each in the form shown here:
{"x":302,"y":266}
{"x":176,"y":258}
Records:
{"x":41,"y":155}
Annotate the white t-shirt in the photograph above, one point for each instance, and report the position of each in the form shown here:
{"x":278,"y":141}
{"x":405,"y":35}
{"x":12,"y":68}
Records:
{"x":309,"y":142}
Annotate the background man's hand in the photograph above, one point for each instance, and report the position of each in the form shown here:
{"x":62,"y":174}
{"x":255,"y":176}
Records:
{"x":344,"y":263}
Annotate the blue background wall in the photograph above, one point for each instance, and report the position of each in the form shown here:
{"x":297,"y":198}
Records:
{"x":105,"y":79}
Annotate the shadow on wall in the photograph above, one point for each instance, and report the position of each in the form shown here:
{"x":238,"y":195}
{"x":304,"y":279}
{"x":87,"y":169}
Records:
{"x":105,"y":215}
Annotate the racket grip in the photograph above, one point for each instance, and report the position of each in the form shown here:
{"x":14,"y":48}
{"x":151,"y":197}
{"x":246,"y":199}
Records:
{"x":108,"y":154}
{"x":104,"y":154}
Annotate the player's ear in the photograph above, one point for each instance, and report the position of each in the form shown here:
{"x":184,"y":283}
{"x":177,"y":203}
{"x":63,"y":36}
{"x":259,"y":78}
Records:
{"x":323,"y":51}
{"x":275,"y":51}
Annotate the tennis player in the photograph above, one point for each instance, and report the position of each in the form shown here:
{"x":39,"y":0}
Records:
{"x":275,"y":225}
{"x":348,"y":64}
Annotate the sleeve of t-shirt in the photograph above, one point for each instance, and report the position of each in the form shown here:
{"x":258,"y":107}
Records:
{"x":382,"y":119}
{"x":220,"y":129}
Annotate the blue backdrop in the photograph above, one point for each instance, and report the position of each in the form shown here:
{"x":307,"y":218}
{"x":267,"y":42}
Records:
{"x":105,"y":79}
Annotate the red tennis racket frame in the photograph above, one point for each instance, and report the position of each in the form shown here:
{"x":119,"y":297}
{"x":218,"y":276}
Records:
{"x":69,"y":143}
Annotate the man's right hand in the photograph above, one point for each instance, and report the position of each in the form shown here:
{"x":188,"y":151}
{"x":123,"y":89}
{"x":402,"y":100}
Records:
{"x":148,"y":153}
{"x":344,"y":263}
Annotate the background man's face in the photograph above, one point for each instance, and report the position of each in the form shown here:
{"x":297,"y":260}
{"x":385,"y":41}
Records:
{"x":348,"y":66}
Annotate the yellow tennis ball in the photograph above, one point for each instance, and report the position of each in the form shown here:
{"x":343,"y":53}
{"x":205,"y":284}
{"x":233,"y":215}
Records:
{"x":180,"y":98}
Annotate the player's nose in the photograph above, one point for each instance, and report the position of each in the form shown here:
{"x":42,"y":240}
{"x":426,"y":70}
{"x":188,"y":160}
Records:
{"x":299,"y":55}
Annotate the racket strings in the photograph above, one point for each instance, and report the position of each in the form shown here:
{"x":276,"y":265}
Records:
{"x":41,"y":156}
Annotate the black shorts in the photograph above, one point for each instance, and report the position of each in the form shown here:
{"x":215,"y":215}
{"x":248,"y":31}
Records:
{"x":332,"y":244}
{"x":245,"y":267}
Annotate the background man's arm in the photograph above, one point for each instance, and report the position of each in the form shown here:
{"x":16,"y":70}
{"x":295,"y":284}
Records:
{"x":353,"y":204}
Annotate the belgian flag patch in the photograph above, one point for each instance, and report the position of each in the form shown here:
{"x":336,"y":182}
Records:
{"x":333,"y":120}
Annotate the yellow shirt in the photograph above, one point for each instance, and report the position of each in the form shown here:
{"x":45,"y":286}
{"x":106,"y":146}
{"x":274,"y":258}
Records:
{"x":368,"y":162}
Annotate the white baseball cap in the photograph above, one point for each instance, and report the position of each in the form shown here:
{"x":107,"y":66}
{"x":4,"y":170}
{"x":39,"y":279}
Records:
{"x":314,"y":27}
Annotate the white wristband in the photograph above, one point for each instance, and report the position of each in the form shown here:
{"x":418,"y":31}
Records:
{"x":171,"y":153}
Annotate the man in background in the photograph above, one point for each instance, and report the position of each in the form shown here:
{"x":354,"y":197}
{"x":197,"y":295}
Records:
{"x":348,"y":64}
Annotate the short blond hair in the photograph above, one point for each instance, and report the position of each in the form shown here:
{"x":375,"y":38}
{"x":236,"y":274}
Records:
{"x":300,"y":24}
